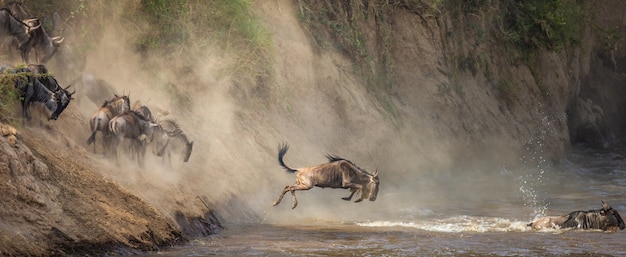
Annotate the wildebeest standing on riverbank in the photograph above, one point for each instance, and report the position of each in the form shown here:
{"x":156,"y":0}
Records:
{"x":12,"y":28}
{"x":168,"y":138}
{"x":337,"y":173}
{"x":31,"y":89}
{"x":136,"y":128}
{"x":100,"y":120}
{"x":45,"y":47}
{"x":606,"y":219}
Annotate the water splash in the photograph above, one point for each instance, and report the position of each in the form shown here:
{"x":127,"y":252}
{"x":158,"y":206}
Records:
{"x":456,"y":224}
{"x":535,"y":165}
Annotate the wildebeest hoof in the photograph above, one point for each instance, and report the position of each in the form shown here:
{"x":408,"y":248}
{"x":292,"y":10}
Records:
{"x":345,"y":198}
{"x":359,"y":200}
{"x":275,"y":203}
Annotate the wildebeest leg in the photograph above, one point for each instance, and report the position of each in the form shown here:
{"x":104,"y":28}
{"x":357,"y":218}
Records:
{"x":115,"y":142}
{"x":354,"y":188}
{"x":280,"y":198}
{"x":348,"y":198}
{"x":295,"y":200}
{"x":293,"y":189}
{"x":141,"y":152}
{"x":106,"y":143}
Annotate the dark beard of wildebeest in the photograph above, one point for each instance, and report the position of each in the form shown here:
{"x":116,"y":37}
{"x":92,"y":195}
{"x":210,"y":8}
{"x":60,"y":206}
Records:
{"x":606,"y":219}
{"x":168,"y":138}
{"x":100,"y":120}
{"x":136,"y":128}
{"x":50,"y":82}
{"x":13,"y":28}
{"x":337,"y":173}
{"x":31,"y":89}
{"x":144,"y":110}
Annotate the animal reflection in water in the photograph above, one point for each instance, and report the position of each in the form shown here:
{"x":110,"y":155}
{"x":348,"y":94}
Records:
{"x":606,"y":219}
{"x":337,"y":173}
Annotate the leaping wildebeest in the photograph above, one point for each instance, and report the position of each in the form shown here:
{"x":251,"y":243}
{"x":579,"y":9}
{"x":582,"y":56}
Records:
{"x":337,"y":173}
{"x":605,"y":219}
{"x":133,"y":126}
{"x":100,"y":120}
{"x":168,"y":138}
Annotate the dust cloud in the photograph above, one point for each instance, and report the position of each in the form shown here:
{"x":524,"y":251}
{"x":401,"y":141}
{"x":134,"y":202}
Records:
{"x":314,"y":105}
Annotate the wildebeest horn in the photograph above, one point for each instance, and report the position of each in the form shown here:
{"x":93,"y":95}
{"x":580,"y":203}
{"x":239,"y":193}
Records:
{"x":31,"y":28}
{"x":375,"y":173}
{"x":58,"y":40}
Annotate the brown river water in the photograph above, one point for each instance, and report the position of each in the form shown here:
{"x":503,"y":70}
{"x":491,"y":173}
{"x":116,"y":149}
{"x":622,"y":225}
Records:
{"x":494,"y":226}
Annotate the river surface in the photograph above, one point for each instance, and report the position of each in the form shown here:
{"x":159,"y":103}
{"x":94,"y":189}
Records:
{"x":493,"y":227}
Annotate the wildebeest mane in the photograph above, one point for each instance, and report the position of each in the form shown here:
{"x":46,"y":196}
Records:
{"x":589,"y":220}
{"x":334,"y":158}
{"x":176,"y":131}
{"x":139,"y":114}
{"x":11,"y":13}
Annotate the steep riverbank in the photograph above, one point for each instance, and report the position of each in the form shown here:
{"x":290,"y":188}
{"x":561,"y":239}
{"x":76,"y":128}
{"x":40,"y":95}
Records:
{"x":57,"y":202}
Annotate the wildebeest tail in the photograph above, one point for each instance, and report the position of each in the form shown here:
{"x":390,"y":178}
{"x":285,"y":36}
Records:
{"x":92,"y":137}
{"x":95,"y":124}
{"x":282,"y":150}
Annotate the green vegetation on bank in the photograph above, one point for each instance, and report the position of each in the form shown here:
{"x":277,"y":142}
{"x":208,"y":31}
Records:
{"x":8,"y":97}
{"x":529,"y":26}
{"x":226,"y":28}
{"x":190,"y":26}
{"x":345,"y":24}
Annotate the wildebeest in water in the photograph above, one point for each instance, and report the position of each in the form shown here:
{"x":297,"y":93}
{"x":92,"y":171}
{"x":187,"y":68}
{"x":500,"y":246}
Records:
{"x":606,"y":219}
{"x":337,"y":173}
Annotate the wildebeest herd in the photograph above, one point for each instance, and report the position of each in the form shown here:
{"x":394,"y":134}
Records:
{"x":119,"y":124}
{"x":131,"y":129}
{"x":136,"y":128}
